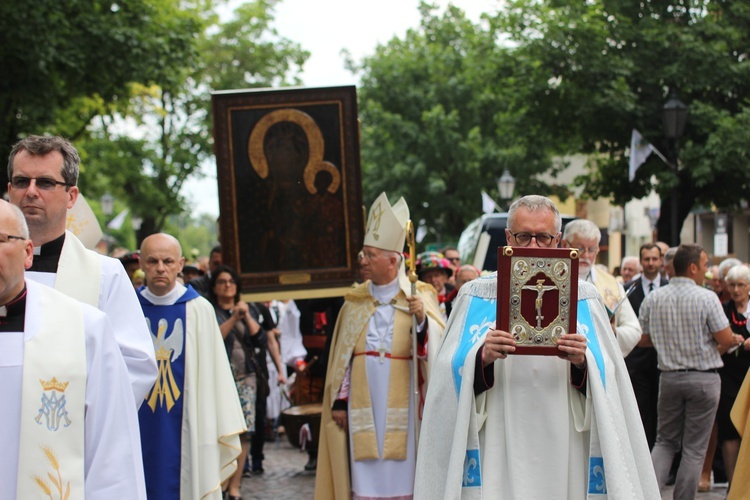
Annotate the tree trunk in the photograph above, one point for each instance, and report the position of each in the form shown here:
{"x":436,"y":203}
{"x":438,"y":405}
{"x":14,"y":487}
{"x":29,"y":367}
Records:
{"x":667,"y":230}
{"x":148,"y":227}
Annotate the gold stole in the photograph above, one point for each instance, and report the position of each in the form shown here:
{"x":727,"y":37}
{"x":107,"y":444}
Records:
{"x":608,"y":288}
{"x":53,"y":400}
{"x":79,"y":272}
{"x":361,"y":420}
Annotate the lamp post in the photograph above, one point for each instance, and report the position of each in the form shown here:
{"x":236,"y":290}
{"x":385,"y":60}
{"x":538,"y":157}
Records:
{"x":107,"y":202}
{"x":506,"y":186}
{"x":674,"y":116}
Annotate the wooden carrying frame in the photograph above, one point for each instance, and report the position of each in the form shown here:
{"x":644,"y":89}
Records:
{"x":537,"y":296}
{"x":290,"y":189}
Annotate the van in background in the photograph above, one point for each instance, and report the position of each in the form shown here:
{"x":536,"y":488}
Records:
{"x":479,"y":241}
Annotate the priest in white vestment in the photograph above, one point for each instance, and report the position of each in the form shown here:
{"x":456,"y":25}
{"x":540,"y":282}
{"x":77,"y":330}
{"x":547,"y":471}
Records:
{"x":43,"y":173}
{"x":191,"y":420}
{"x":518,"y":427}
{"x":68,"y":420}
{"x":585,"y":236}
{"x":367,"y":447}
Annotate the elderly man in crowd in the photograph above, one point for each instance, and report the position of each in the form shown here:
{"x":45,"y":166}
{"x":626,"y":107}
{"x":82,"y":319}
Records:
{"x":585,"y":236}
{"x":629,"y":268}
{"x":367,"y":445}
{"x":494,"y":421}
{"x":465,"y":273}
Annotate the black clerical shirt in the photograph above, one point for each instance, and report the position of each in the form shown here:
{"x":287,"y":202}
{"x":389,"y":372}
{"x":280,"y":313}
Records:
{"x":49,"y":256}
{"x":12,"y":319}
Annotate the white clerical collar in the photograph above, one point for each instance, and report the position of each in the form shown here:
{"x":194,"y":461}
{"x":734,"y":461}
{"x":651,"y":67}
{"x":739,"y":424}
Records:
{"x":591,"y":277}
{"x":167,"y":299}
{"x":384,"y":293}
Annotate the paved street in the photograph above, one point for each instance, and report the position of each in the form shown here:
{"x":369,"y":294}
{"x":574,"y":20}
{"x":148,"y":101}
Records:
{"x":286,"y":479}
{"x":716,"y":493}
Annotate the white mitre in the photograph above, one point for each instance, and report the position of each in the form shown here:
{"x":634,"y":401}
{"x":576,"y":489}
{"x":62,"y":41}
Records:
{"x":386,"y":224}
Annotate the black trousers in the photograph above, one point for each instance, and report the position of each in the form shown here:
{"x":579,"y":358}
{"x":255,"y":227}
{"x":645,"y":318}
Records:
{"x":258,"y":438}
{"x":644,"y":375}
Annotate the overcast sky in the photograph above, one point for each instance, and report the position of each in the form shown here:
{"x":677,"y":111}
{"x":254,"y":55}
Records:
{"x":324,"y":28}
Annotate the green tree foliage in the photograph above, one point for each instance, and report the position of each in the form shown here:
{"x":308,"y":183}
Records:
{"x":443,"y":114}
{"x":451,"y":105}
{"x":64,"y":63}
{"x":197,"y":235}
{"x":611,"y":65}
{"x":173,"y":114}
{"x":130,"y":84}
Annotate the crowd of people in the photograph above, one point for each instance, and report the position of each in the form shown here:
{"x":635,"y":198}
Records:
{"x":424,"y":396}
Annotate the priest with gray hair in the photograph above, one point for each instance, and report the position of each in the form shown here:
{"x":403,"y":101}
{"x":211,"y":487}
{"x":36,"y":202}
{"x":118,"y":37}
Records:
{"x":585,"y":236}
{"x":367,"y":445}
{"x":499,"y":425}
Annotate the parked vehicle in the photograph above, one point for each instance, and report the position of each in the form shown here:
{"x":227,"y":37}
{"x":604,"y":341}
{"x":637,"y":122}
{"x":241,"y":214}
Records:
{"x":479,"y":241}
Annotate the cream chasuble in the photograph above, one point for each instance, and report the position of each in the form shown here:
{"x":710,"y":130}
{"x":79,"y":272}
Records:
{"x":74,"y":259}
{"x":212,"y":418}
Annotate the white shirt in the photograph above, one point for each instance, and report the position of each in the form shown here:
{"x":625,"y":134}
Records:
{"x":645,"y":282}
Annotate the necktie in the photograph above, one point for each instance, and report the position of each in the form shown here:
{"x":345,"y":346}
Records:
{"x":650,"y":287}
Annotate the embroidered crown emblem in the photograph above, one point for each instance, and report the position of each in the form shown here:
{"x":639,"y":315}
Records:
{"x":54,"y":385}
{"x":53,"y":407}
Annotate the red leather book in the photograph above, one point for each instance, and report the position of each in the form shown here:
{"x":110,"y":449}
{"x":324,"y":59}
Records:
{"x":537,"y":295}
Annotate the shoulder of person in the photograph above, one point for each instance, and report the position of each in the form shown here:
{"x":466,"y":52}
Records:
{"x":358,"y":293}
{"x":630,"y":283}
{"x":199,"y":282}
{"x":423,"y":287}
{"x":202,"y":304}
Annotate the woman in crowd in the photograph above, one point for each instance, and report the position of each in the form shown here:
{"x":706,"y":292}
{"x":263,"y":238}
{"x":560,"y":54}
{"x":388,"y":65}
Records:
{"x":736,"y":363}
{"x":241,"y":337}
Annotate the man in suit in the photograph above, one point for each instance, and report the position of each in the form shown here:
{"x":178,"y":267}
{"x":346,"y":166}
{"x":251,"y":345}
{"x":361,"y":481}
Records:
{"x":641,"y":361}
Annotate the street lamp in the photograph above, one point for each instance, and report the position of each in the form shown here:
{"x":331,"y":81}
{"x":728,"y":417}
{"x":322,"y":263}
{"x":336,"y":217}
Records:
{"x":506,"y":186}
{"x":107,"y":202}
{"x":674,"y":116}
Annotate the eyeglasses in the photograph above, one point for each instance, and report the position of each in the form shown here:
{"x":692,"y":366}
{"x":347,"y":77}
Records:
{"x":5,"y":238}
{"x":587,"y":250}
{"x":524,"y":239}
{"x":43,"y":183}
{"x":737,"y":285}
{"x":225,"y":282}
{"x":362,"y":255}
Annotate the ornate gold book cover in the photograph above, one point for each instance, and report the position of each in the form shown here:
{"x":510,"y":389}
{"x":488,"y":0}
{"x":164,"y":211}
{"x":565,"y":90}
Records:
{"x":537,"y":295}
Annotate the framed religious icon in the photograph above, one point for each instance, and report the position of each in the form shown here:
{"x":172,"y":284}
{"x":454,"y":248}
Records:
{"x":290,"y":189}
{"x":537,"y":295}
